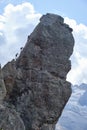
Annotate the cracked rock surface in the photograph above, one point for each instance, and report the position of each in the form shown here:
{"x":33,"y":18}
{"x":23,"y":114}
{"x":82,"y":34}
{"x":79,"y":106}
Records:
{"x":36,"y":82}
{"x":9,"y":118}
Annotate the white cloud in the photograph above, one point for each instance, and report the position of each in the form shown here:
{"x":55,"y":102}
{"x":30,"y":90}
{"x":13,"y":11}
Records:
{"x":75,"y":112}
{"x":59,"y":127}
{"x":78,"y":73}
{"x":16,"y":23}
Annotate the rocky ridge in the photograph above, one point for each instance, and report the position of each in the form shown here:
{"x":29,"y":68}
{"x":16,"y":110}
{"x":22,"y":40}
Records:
{"x":36,"y":82}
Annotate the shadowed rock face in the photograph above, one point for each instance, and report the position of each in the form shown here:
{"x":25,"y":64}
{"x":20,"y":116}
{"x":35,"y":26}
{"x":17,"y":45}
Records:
{"x":9,"y":118}
{"x":39,"y":90}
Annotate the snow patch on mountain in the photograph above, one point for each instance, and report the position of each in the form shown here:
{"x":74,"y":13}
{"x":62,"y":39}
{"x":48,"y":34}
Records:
{"x":74,"y":115}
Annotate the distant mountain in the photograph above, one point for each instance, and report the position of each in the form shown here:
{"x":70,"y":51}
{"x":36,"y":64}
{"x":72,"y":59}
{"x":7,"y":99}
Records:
{"x":83,"y":99}
{"x":83,"y":86}
{"x":74,"y":116}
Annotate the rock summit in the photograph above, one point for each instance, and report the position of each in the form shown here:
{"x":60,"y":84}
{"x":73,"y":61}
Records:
{"x":36,"y":82}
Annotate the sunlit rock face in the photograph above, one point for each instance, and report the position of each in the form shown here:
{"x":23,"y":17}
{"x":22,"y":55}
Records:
{"x":39,"y":89}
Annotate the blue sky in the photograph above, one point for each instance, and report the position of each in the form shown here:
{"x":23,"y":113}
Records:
{"x":75,"y":9}
{"x":19,"y":18}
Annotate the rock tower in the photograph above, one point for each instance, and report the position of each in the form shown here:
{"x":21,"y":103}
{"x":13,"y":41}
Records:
{"x":36,"y":82}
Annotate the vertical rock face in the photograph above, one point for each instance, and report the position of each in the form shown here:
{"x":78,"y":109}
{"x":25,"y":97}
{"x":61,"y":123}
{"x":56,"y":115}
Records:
{"x":2,"y":87}
{"x":39,"y":89}
{"x":9,"y":118}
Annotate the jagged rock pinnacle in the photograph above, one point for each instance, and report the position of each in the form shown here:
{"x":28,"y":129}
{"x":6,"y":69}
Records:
{"x":40,"y":90}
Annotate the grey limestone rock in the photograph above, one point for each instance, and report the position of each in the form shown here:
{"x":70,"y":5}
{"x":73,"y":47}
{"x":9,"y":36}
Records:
{"x":40,"y":90}
{"x":2,"y":88}
{"x":9,"y":74}
{"x":10,"y":119}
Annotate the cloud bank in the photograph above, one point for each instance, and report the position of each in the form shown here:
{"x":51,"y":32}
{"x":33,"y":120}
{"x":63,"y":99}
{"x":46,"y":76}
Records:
{"x":16,"y":23}
{"x":78,"y":73}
